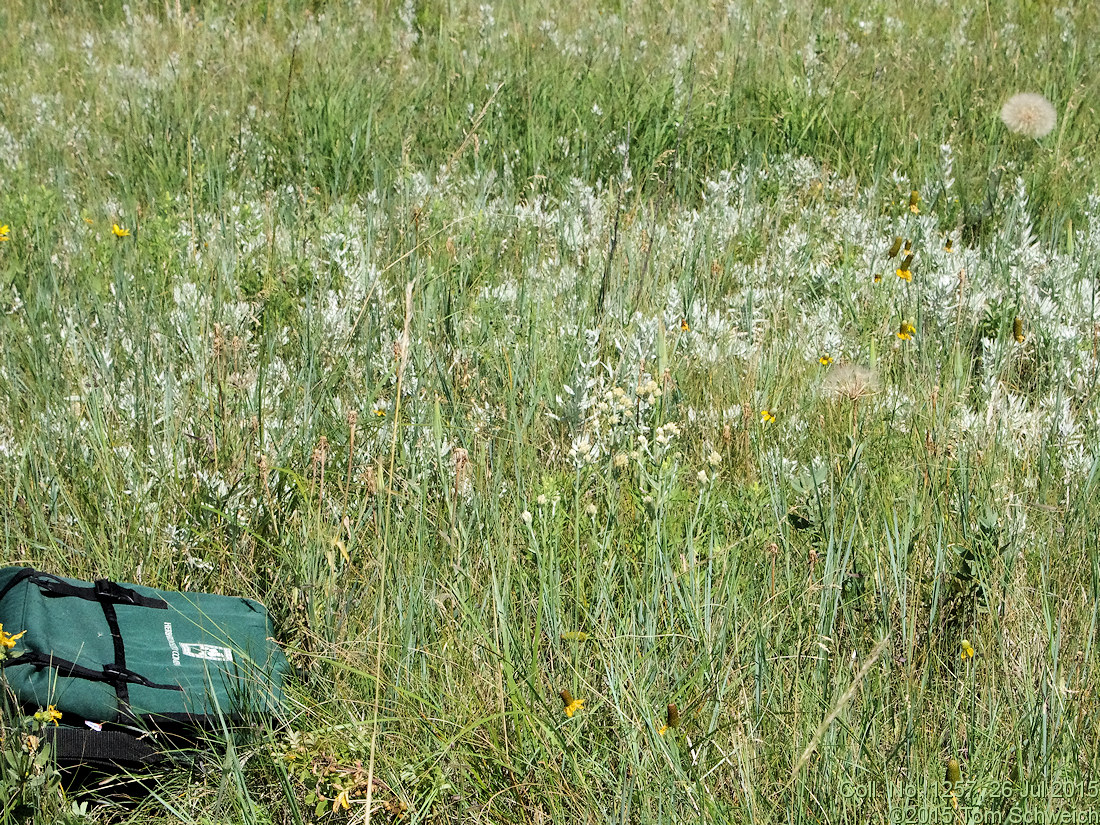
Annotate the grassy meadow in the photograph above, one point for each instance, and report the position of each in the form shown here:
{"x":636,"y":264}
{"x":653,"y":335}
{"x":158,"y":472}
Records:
{"x":545,"y":365}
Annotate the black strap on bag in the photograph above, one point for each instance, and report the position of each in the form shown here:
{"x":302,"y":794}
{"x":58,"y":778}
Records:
{"x":20,"y":575}
{"x":104,"y":748}
{"x":116,"y":677}
{"x":104,"y":591}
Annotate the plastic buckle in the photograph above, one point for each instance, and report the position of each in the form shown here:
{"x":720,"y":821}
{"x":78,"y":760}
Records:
{"x":114,"y":673}
{"x":119,"y":675}
{"x":107,"y":590}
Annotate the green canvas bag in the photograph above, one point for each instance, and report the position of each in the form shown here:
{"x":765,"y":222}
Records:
{"x":125,"y":663}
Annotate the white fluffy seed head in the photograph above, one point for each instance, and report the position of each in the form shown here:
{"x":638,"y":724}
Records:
{"x":851,"y":381}
{"x":1029,"y":114}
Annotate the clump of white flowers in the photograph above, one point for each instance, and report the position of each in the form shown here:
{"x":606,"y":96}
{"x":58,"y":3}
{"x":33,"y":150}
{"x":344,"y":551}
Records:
{"x":666,"y":432}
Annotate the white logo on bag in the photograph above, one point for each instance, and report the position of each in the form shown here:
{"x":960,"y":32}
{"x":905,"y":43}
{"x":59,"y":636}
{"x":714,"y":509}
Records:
{"x":212,"y":653}
{"x":172,"y":644}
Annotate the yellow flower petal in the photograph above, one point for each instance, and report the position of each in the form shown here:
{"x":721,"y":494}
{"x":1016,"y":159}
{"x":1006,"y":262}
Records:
{"x":341,"y":802}
{"x":7,"y":640}
{"x":571,"y":705}
{"x":50,"y":714}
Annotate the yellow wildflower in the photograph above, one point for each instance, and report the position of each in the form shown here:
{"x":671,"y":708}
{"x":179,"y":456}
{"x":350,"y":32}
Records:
{"x":571,"y":705}
{"x":967,"y":651}
{"x":878,"y":277}
{"x":50,"y":714}
{"x":914,"y":198}
{"x":7,"y":640}
{"x":906,"y":330}
{"x":825,"y":360}
{"x":1018,"y":330}
{"x":951,"y":779}
{"x":766,"y":417}
{"x":341,"y":801}
{"x":904,"y":271}
{"x":5,"y":230}
{"x":684,"y":325}
{"x":672,"y":719}
{"x":119,"y":231}
{"x":949,"y":246}
{"x":953,"y":774}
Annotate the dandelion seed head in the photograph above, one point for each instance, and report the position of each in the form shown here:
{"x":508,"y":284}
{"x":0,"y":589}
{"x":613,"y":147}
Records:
{"x":1029,"y":114}
{"x":851,"y":381}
